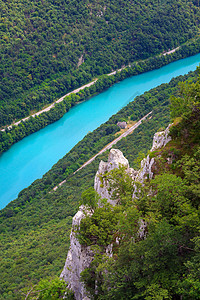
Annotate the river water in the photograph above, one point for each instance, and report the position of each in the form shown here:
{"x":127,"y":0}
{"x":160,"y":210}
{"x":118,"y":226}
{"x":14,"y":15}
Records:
{"x":30,"y":158}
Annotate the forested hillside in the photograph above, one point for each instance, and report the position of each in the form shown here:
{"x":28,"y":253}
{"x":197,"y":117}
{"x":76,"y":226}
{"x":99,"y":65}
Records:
{"x":35,"y":227}
{"x":50,"y":47}
{"x":161,"y":260}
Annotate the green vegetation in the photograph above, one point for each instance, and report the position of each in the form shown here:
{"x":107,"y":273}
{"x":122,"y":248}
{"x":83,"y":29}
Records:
{"x":99,"y":228}
{"x":16,"y":133}
{"x":50,"y":290}
{"x":35,"y":227}
{"x":162,"y":260}
{"x":51,"y":47}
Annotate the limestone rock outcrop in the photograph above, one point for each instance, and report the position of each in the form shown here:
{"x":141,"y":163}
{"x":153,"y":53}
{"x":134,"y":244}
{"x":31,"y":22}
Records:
{"x":145,"y":171}
{"x":161,"y":138}
{"x":78,"y":258}
{"x":101,"y":185}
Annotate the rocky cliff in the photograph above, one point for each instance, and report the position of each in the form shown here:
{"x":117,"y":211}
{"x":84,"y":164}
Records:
{"x":80,"y":257}
{"x":101,"y":184}
{"x":160,"y":139}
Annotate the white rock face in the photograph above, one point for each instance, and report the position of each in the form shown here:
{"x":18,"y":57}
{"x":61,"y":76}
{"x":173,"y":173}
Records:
{"x":145,"y":171}
{"x":160,"y":139}
{"x":115,"y":159}
{"x":101,"y":186}
{"x":78,"y":258}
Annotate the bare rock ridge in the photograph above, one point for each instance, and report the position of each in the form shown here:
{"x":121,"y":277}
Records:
{"x":80,"y":257}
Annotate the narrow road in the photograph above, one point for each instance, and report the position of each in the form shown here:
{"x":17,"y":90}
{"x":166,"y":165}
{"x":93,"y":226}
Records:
{"x":60,"y":100}
{"x":171,"y":51}
{"x":52,"y":105}
{"x":127,"y":132}
{"x":74,"y":92}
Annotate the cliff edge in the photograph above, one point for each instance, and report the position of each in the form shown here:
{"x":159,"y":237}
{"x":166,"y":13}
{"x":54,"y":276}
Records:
{"x":80,"y":257}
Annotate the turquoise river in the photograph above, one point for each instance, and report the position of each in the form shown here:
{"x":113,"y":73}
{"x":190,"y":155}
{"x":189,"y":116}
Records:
{"x":30,"y":158}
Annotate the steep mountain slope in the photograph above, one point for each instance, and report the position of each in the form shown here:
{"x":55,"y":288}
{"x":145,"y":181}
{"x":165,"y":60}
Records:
{"x":35,"y":227}
{"x":50,"y":47}
{"x":146,"y":245}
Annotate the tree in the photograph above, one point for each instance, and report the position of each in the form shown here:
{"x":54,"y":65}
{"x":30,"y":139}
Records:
{"x":188,"y":101}
{"x":90,"y":198}
{"x":50,"y":290}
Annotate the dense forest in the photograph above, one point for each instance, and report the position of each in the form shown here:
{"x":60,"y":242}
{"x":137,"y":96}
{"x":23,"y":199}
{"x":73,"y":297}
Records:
{"x":50,"y":47}
{"x":9,"y":136}
{"x":35,"y":227}
{"x":163,"y":262}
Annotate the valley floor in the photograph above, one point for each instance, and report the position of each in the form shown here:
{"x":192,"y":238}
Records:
{"x":74,"y":92}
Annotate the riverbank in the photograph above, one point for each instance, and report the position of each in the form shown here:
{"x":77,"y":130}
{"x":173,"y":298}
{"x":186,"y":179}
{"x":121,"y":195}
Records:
{"x":34,"y":156}
{"x":76,"y":91}
{"x":109,"y":146}
{"x":50,"y":106}
{"x":56,"y":110}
